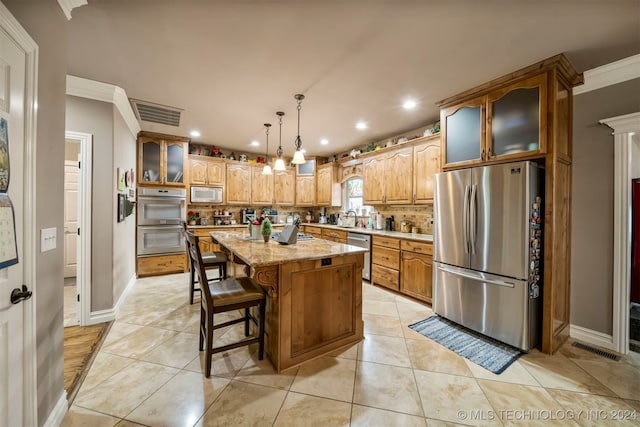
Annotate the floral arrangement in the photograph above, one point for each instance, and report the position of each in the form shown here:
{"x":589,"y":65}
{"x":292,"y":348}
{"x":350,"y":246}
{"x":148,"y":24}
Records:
{"x":192,"y":216}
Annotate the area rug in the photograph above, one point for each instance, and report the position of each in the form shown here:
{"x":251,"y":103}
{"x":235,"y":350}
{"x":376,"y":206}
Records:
{"x":481,"y":350}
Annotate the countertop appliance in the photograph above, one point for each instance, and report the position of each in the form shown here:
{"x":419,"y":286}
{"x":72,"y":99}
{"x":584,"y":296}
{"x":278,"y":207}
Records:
{"x":247,"y":215}
{"x":488,"y":250}
{"x":161,"y":212}
{"x":206,"y":194}
{"x":362,"y":241}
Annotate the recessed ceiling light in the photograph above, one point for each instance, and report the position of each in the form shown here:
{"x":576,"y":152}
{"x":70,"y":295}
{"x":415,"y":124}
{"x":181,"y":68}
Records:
{"x":254,"y":143}
{"x":324,"y":141}
{"x":361,"y":125}
{"x":194,"y":133}
{"x":409,"y":104}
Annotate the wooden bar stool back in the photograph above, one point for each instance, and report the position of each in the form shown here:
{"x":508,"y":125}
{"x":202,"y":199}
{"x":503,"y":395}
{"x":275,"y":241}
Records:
{"x":222,"y":296}
{"x":211,"y":260}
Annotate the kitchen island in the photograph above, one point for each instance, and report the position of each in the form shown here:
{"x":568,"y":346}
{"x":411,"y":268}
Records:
{"x":314,"y":293}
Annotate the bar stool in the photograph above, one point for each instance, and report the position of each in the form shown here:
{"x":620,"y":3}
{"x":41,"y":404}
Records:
{"x":226,"y":295}
{"x":211,"y":260}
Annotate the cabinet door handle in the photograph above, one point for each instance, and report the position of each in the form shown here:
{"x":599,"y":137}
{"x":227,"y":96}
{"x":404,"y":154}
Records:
{"x":482,"y":156}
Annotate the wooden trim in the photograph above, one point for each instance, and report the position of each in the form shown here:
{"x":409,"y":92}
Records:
{"x":559,"y":62}
{"x":164,"y":136}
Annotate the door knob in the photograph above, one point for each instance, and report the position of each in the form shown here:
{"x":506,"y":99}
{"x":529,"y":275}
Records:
{"x":18,"y":294}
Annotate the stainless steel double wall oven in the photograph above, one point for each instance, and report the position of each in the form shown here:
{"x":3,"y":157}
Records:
{"x":161,"y":212}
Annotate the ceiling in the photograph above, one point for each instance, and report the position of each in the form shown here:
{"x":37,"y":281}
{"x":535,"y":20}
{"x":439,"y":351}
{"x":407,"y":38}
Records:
{"x":230,"y":65}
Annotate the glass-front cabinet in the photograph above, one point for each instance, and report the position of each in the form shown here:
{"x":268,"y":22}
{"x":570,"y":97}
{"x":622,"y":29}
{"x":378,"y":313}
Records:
{"x":161,"y":159}
{"x":505,"y":124}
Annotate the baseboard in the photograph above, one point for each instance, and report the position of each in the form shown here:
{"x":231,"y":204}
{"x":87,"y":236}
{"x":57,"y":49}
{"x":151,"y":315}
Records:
{"x":590,"y":336}
{"x":110,"y":314}
{"x":58,"y":412}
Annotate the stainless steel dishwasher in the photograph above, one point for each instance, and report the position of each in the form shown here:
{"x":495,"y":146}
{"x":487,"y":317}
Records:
{"x":362,"y":241}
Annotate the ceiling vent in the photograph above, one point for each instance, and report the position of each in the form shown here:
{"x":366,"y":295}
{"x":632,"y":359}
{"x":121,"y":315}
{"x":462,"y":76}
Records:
{"x":156,"y":113}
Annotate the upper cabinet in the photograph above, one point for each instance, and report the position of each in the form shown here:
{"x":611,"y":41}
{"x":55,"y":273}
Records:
{"x":327,"y":185}
{"x":285,"y":187}
{"x":206,"y":171}
{"x":507,"y":123}
{"x":261,"y":186}
{"x":305,"y":190}
{"x":426,"y":163}
{"x":388,"y":177}
{"x":161,"y":159}
{"x":238,"y":183}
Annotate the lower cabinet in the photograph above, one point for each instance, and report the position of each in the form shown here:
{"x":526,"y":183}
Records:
{"x":313,"y":231}
{"x":338,"y":236}
{"x":416,"y":270}
{"x":385,"y":262}
{"x":161,"y":264}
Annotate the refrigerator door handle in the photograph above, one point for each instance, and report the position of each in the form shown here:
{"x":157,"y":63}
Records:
{"x":473,"y":223}
{"x":465,"y":218}
{"x":477,"y":277}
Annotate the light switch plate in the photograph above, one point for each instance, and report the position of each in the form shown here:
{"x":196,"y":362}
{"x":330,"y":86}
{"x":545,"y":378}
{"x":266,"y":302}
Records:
{"x":47,"y":239}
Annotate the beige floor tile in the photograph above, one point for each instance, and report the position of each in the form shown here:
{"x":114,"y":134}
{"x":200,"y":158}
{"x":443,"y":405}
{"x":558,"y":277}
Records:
{"x":139,"y":342}
{"x":244,"y":404}
{"x":348,"y":352}
{"x":428,"y":355}
{"x":593,"y":410}
{"x":387,"y":350}
{"x":124,"y":391}
{"x":387,"y":387}
{"x":226,"y":364}
{"x":261,"y":372}
{"x":622,"y":378}
{"x":562,"y":373}
{"x":177,"y":351}
{"x":330,"y":377}
{"x":382,"y":325}
{"x":364,"y":416}
{"x":515,"y":374}
{"x":127,"y":423}
{"x":413,"y":311}
{"x":439,"y":423}
{"x":517,"y":404}
{"x":104,"y":366}
{"x":375,"y":293}
{"x":181,"y":319}
{"x":119,"y":330}
{"x":381,"y":308}
{"x":81,"y":417}
{"x":452,"y":398}
{"x":180,"y":402}
{"x":634,"y":404}
{"x":301,"y":409}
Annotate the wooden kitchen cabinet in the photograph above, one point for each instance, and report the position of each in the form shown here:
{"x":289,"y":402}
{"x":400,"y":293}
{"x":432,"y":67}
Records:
{"x":338,"y":236}
{"x":313,"y":230}
{"x":426,"y":163}
{"x":155,"y":265}
{"x":285,"y":187}
{"x":305,"y":190}
{"x":385,"y":262}
{"x":328,"y":189}
{"x":388,"y":178}
{"x":238,"y":183}
{"x":209,"y":171}
{"x":507,"y":123}
{"x":162,"y":159}
{"x":261,"y":186}
{"x":416,"y":270}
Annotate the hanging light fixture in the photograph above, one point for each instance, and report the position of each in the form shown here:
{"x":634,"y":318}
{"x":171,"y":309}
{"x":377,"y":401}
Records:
{"x":279,"y":166}
{"x":298,"y":157}
{"x":267,"y":169}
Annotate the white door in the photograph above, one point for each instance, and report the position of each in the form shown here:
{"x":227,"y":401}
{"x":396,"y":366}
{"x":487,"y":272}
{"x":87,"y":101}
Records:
{"x":14,"y":347}
{"x":70,"y":218}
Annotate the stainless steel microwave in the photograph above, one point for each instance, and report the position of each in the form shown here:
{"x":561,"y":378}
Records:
{"x":206,"y":194}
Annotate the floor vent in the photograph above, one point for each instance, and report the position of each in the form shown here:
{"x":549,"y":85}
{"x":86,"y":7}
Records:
{"x":597,"y":351}
{"x":156,"y":113}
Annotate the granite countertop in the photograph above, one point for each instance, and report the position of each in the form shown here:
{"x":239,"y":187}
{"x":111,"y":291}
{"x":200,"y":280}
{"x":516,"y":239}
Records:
{"x":222,"y":227}
{"x":408,"y":236}
{"x":258,"y":253}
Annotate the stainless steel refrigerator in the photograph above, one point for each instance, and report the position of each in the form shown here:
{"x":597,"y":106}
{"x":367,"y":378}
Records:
{"x":488,"y":250}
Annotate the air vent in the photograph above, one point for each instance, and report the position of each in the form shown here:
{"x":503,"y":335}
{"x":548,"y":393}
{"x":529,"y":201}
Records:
{"x":156,"y":113}
{"x":597,"y":351}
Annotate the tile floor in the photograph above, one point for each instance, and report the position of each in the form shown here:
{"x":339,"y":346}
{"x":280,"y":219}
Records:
{"x":148,"y":372}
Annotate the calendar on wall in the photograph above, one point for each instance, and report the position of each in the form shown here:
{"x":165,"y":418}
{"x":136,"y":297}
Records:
{"x":8,"y":244}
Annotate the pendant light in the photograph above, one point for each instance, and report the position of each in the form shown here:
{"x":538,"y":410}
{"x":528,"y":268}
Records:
{"x":267,"y":169}
{"x":279,"y":166}
{"x":298,"y":157}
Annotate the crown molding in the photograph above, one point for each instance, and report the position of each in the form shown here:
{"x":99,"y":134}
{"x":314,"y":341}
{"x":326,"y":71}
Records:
{"x":99,"y":91}
{"x":68,"y":5}
{"x":623,"y":124}
{"x":610,"y":74}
